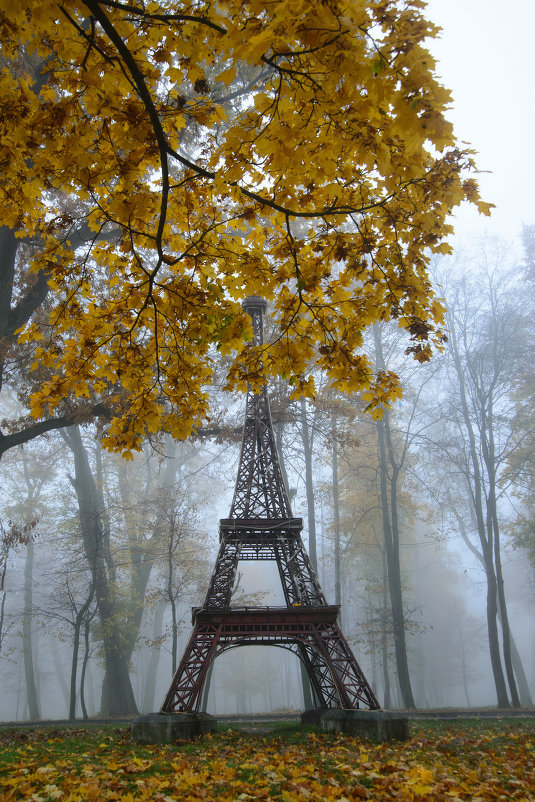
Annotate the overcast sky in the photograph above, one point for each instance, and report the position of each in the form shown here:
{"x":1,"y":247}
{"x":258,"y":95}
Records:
{"x":486,"y":58}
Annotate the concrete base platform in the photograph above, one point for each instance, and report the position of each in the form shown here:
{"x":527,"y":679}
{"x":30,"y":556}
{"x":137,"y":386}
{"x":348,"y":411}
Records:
{"x":167,"y":728}
{"x":375,"y":725}
{"x":312,"y":717}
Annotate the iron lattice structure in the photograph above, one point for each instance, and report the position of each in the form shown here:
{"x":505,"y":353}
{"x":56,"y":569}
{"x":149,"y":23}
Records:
{"x":261,"y":527}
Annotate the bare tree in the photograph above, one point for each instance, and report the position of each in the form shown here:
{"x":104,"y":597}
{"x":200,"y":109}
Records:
{"x":484,"y":354}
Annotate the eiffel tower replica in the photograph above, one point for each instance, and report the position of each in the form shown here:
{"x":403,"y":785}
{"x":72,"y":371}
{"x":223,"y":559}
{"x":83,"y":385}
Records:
{"x":261,"y":527}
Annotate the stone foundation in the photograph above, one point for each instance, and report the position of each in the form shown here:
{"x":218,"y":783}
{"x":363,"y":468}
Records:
{"x":375,"y":725}
{"x":312,"y":717}
{"x":167,"y":728}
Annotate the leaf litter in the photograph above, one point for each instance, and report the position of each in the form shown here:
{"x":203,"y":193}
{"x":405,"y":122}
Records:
{"x":491,"y":761}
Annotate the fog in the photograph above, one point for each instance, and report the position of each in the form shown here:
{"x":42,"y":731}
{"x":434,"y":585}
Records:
{"x":158,"y":520}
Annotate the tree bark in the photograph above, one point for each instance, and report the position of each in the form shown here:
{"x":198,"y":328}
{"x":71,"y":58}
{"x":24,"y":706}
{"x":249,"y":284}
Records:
{"x":391,"y":539}
{"x":485,"y":535}
{"x":117,"y":692}
{"x":27,"y":635}
{"x":336,"y":514}
{"x":384,"y":636}
{"x":60,"y":675}
{"x":520,"y":674}
{"x":463,"y":668}
{"x":307,"y":438}
{"x":84,"y":669}
{"x":149,"y":691}
{"x":16,"y":311}
{"x":79,"y":621}
{"x":388,"y":486}
{"x":488,"y":449}
{"x":308,"y":698}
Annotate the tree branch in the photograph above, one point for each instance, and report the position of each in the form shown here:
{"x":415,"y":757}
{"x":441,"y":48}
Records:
{"x":34,"y":430}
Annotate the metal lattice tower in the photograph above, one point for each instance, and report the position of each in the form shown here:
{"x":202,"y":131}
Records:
{"x":261,"y":527}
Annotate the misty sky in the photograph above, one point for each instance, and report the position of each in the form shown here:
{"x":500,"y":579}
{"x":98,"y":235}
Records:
{"x":486,"y":58}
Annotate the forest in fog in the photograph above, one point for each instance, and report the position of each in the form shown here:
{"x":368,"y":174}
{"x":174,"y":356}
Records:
{"x":419,"y":523}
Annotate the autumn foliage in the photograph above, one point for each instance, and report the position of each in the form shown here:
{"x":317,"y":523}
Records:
{"x":450,"y":762}
{"x":298,"y":151}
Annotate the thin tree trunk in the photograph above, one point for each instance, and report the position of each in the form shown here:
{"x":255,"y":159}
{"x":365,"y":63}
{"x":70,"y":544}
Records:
{"x":141,"y":561}
{"x":389,"y":508}
{"x":84,"y":669}
{"x":384,"y":636}
{"x":483,"y":532}
{"x":174,"y":619}
{"x":492,"y":516}
{"x":78,"y":622}
{"x":523,"y":687}
{"x":27,"y":636}
{"x":58,"y":665}
{"x":2,"y":607}
{"x":336,"y":515}
{"x":391,"y":540}
{"x":74,"y":667}
{"x":463,"y":668}
{"x":149,"y":691}
{"x":206,"y":689}
{"x":307,"y":438}
{"x":520,"y":674}
{"x":504,"y":618}
{"x":278,"y":427}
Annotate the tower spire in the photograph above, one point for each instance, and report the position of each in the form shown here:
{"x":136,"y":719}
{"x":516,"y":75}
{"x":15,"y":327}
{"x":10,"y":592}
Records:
{"x":260,"y":491}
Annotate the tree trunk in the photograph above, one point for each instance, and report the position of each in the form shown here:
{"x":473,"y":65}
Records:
{"x":141,"y":561}
{"x":59,"y":668}
{"x":493,"y":524}
{"x":307,"y":438}
{"x":27,"y":636}
{"x":504,"y":617}
{"x":74,"y":667}
{"x":384,"y":636}
{"x":388,"y":491}
{"x":463,"y":668}
{"x":492,"y":627}
{"x":84,"y":669}
{"x":336,"y":515}
{"x":206,"y":689}
{"x":485,"y":534}
{"x":523,"y":687}
{"x":117,"y":693}
{"x":174,"y":636}
{"x":149,"y":691}
{"x":9,"y":244}
{"x":391,"y":540}
{"x":2,"y":606}
{"x":79,"y":621}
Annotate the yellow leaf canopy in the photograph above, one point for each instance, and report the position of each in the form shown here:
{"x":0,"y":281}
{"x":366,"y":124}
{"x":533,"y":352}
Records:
{"x":293,"y":150}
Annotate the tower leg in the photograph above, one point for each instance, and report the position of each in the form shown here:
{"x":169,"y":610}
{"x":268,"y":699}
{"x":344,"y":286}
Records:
{"x":299,"y":582}
{"x":222,"y":581}
{"x":351,"y":685}
{"x":318,"y":675}
{"x":185,"y":693}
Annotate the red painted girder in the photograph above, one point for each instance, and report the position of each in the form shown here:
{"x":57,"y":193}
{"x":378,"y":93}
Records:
{"x":261,"y":524}
{"x":267,"y":615}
